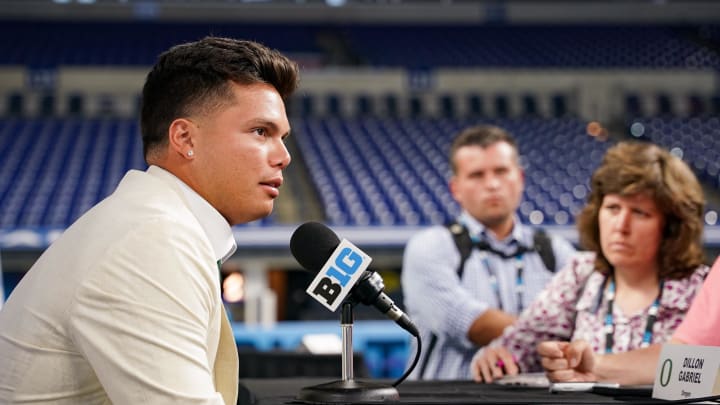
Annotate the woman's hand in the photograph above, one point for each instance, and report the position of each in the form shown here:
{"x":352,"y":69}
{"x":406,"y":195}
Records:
{"x":491,"y":363}
{"x":568,"y":361}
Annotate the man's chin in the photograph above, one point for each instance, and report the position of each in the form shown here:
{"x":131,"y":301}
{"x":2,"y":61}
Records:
{"x":494,"y":220}
{"x":252,"y":217}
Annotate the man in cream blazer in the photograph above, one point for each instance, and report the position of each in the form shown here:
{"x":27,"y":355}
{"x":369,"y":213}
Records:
{"x":125,"y":307}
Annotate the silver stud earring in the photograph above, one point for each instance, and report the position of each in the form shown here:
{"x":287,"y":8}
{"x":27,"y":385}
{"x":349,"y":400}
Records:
{"x":190,"y":153}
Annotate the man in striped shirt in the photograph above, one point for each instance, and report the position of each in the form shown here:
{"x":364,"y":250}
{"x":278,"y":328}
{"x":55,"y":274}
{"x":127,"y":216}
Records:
{"x":460,"y":305}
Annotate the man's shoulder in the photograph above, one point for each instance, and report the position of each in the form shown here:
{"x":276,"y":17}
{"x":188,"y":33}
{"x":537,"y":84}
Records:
{"x":435,"y":238}
{"x":533,"y":230}
{"x":139,"y":203}
{"x":432,"y":233}
{"x":560,"y":245}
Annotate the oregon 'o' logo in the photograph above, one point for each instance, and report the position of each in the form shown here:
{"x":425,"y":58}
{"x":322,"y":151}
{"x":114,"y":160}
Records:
{"x":665,"y":372}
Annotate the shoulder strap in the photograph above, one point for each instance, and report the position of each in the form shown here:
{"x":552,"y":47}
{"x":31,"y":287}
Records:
{"x":464,"y":244}
{"x":543,"y":245}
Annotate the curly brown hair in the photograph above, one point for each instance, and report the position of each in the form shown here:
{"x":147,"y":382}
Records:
{"x":629,"y":168}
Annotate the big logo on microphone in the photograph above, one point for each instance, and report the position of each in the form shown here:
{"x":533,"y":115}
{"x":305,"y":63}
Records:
{"x":339,"y":275}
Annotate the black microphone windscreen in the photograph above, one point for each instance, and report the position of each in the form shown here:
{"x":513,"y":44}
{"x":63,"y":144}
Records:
{"x":312,"y":244}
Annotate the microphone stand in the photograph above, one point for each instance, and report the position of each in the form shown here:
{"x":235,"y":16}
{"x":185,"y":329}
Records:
{"x":348,"y":389}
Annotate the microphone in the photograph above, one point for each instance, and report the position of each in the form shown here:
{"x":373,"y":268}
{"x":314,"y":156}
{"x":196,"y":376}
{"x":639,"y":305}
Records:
{"x":341,"y":271}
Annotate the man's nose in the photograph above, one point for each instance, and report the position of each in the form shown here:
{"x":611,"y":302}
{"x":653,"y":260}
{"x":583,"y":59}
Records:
{"x":281,"y":156}
{"x":493,"y":181}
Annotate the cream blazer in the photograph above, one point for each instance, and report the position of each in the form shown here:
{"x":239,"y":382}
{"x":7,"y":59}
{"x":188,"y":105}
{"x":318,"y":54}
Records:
{"x":123,"y":308}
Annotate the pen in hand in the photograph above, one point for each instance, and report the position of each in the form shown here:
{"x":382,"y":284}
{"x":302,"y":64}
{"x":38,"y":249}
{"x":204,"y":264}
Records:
{"x":491,"y":363}
{"x":501,"y":364}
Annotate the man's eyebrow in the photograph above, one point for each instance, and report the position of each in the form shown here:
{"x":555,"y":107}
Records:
{"x":264,"y":123}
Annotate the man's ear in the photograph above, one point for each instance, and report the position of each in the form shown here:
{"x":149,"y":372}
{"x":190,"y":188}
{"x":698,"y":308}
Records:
{"x":180,"y":138}
{"x":452,"y":186}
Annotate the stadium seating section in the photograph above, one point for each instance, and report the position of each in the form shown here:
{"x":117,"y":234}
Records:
{"x":367,"y":169}
{"x":409,"y":46}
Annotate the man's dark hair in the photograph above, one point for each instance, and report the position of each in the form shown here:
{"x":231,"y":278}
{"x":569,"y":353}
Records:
{"x":195,"y":77}
{"x":482,"y":136}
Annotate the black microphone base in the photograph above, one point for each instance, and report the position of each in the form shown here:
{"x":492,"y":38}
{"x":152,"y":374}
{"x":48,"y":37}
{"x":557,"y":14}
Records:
{"x":349,"y":391}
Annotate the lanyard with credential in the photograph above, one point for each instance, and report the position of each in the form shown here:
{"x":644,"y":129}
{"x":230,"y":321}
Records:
{"x":610,"y":323}
{"x":484,"y":248}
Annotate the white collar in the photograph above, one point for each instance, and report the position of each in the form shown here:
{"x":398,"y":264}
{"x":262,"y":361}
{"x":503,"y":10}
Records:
{"x":216,"y":228}
{"x":475,"y":227}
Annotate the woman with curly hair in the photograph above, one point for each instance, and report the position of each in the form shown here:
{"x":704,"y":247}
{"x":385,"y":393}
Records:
{"x":642,"y":229}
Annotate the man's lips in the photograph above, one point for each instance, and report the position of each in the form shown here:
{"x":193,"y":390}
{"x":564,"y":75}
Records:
{"x":272,"y":186}
{"x":277,"y":182}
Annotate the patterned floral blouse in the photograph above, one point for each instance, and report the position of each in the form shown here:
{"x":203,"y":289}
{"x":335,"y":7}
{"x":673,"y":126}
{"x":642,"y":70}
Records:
{"x":559,"y":314}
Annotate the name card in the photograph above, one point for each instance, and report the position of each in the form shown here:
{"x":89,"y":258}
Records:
{"x":686,"y":371}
